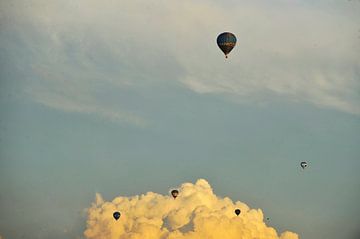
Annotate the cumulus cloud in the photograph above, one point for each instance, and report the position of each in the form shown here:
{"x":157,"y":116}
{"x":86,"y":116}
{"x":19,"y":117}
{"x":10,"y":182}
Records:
{"x":300,"y":51}
{"x":196,"y":213}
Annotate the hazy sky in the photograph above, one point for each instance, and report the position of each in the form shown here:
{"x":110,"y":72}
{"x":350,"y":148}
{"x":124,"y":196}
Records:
{"x":125,"y":97}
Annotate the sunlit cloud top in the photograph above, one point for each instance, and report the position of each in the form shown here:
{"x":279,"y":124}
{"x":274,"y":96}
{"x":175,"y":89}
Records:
{"x":196,"y":213}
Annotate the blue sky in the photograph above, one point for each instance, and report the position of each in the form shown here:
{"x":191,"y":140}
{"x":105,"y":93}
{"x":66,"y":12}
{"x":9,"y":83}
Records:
{"x":123,"y":97}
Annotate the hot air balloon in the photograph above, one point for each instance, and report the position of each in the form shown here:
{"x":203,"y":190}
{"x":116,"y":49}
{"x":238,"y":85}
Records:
{"x":303,"y":165}
{"x":116,"y":215}
{"x":174,"y":193}
{"x":237,"y":212}
{"x":226,"y":42}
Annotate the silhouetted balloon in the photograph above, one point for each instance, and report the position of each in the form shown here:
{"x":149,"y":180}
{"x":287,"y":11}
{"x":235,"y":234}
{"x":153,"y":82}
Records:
{"x":174,"y":193}
{"x":226,"y":42}
{"x":303,"y":165}
{"x":116,"y":215}
{"x":237,"y":212}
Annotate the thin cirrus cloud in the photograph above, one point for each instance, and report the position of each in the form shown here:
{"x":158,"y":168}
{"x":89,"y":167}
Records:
{"x":196,"y":213}
{"x":79,"y":52}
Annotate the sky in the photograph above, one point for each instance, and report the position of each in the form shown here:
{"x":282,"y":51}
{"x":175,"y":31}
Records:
{"x":120,"y":98}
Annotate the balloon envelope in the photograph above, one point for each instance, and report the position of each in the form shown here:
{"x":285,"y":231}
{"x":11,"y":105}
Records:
{"x":226,"y":42}
{"x":237,"y":212}
{"x":174,"y":193}
{"x":116,"y":215}
{"x":303,"y":165}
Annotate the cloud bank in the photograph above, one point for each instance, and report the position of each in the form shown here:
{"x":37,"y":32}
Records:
{"x":196,"y":213}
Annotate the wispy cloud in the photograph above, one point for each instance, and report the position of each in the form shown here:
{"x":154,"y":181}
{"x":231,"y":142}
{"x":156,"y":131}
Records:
{"x":61,"y":102}
{"x":292,"y":51}
{"x":81,"y":51}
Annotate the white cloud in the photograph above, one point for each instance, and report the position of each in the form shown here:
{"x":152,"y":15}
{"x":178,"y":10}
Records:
{"x":196,"y":213}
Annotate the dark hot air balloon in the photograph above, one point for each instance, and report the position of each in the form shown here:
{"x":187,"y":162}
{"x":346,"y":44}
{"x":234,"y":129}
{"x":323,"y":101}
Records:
{"x":303,"y":165}
{"x":174,"y":193}
{"x":226,"y":42}
{"x":116,"y":215}
{"x":237,"y":212}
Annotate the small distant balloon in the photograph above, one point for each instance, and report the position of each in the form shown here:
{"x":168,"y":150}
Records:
{"x":174,"y":193}
{"x":303,"y":165}
{"x":237,"y":212}
{"x":226,"y":41}
{"x":116,"y":215}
